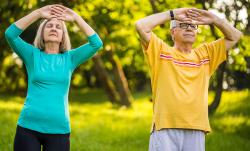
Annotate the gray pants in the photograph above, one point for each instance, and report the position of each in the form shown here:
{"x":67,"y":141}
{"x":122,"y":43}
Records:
{"x":177,"y":140}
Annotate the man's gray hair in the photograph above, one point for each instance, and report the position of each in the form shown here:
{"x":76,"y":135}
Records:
{"x":173,"y":24}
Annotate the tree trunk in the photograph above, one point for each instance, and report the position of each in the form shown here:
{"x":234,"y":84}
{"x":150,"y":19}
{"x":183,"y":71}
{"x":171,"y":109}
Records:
{"x":154,"y":9}
{"x":220,"y":72}
{"x":153,"y":6}
{"x":120,"y":80}
{"x":247,"y":31}
{"x":219,"y":89}
{"x":247,"y":5}
{"x":104,"y":79}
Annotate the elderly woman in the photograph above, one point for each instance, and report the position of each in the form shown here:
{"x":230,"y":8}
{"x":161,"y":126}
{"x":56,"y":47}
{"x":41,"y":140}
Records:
{"x":44,"y":119}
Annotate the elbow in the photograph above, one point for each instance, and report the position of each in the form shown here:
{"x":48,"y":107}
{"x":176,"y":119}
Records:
{"x":238,"y":35}
{"x":99,"y":45}
{"x":7,"y":34}
{"x":95,"y":42}
{"x":235,"y":37}
{"x":139,"y":26}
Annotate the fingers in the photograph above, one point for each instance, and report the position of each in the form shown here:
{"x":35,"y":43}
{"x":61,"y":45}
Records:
{"x":62,"y":18}
{"x":197,"y":10}
{"x":56,"y":12}
{"x":198,"y":22}
{"x":196,"y":16}
{"x":195,"y":21}
{"x":61,"y":7}
{"x":186,"y":20}
{"x":57,"y":9}
{"x":193,"y":13}
{"x":55,"y":15}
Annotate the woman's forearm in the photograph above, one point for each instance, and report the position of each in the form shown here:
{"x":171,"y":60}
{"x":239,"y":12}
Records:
{"x":27,"y":20}
{"x":84,"y":27}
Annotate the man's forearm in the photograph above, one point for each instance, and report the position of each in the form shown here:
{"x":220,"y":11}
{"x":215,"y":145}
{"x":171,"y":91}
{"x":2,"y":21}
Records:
{"x":150,"y":22}
{"x":145,"y":25}
{"x":230,"y":33}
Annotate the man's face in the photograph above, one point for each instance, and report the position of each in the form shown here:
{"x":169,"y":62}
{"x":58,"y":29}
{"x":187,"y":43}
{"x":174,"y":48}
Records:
{"x":185,"y":33}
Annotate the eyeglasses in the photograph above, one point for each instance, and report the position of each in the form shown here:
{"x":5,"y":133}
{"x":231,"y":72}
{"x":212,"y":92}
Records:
{"x":185,"y":26}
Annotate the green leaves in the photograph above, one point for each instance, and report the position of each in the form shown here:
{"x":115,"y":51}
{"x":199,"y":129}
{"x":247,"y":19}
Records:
{"x":114,"y":22}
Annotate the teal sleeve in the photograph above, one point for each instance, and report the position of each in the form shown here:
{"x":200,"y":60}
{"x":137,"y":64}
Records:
{"x":86,"y":51}
{"x":23,"y":49}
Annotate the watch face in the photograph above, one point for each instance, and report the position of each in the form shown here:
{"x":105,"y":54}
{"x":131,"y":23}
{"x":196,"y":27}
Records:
{"x":172,"y":14}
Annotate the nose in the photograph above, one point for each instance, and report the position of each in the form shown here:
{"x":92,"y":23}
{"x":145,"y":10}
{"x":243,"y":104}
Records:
{"x":189,"y":28}
{"x":53,"y":29}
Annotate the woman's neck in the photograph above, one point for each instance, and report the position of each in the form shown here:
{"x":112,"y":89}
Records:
{"x":51,"y":47}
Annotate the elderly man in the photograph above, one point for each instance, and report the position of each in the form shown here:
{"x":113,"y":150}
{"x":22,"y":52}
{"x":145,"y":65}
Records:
{"x":180,"y":76}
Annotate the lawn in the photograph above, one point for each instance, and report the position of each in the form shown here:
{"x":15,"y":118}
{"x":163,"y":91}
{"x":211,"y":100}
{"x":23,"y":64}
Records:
{"x":99,"y":126}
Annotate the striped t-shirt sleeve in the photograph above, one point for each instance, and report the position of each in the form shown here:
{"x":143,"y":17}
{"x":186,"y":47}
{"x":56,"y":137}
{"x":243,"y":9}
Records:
{"x":217,"y":54}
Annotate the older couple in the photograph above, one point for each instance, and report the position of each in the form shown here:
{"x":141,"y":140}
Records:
{"x":179,"y":76}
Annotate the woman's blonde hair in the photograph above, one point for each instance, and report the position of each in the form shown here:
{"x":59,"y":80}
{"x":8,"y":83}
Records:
{"x":65,"y":44}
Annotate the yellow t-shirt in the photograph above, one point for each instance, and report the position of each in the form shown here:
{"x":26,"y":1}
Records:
{"x":180,"y":83}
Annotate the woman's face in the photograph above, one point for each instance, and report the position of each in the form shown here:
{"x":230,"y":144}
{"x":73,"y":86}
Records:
{"x":53,"y":31}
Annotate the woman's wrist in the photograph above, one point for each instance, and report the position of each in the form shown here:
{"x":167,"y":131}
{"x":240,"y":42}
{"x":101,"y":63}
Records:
{"x":37,"y":13}
{"x":77,"y":18}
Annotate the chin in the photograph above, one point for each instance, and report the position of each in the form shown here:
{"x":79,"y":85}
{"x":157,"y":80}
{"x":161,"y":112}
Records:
{"x":189,"y":40}
{"x":52,"y":40}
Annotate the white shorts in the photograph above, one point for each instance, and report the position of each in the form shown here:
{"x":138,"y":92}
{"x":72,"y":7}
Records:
{"x":177,"y":140}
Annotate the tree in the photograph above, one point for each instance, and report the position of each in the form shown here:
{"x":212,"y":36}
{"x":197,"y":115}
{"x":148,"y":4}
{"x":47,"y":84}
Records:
{"x":121,"y":62}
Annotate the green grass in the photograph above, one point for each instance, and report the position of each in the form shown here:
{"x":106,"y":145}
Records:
{"x":99,"y":126}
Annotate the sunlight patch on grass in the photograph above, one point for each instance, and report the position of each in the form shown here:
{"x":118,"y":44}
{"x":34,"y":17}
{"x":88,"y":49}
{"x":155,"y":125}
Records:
{"x":98,"y":125}
{"x":7,"y":105}
{"x":231,"y":124}
{"x":105,"y":115}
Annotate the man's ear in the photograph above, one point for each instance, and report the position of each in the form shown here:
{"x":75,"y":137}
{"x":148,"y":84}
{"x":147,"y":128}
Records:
{"x":172,"y":31}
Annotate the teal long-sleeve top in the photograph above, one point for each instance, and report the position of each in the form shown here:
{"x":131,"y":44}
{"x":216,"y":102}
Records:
{"x":46,"y":105}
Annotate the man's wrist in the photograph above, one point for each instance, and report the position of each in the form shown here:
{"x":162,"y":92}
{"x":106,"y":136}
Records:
{"x":216,"y":20}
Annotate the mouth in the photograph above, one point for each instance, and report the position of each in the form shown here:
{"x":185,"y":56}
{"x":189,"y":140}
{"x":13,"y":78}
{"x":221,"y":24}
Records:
{"x":189,"y":35}
{"x":53,"y":34}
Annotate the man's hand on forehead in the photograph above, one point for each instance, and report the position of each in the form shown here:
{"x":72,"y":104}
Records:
{"x":193,"y":16}
{"x":200,"y":17}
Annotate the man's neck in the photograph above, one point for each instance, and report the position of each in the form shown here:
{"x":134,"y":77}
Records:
{"x":184,"y":47}
{"x":51,"y":47}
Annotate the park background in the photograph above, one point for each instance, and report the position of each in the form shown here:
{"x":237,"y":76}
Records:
{"x":110,"y":96}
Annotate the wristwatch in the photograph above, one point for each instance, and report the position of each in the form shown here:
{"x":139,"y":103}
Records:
{"x":171,"y":14}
